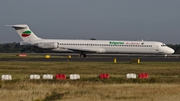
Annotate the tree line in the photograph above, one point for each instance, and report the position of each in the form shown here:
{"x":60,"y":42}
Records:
{"x":17,"y":48}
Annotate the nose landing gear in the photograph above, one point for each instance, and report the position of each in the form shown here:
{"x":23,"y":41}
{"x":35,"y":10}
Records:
{"x":83,"y":55}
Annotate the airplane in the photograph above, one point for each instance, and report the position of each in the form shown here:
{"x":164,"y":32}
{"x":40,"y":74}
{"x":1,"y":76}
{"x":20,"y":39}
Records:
{"x":84,"y":47}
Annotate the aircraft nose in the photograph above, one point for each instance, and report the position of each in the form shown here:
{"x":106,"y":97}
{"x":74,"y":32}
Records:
{"x":171,"y":51}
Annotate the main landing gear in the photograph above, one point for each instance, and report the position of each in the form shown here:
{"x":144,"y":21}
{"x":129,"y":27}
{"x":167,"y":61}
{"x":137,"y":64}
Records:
{"x":83,"y":55}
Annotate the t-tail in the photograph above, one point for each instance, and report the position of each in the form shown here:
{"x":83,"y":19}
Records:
{"x":24,"y":32}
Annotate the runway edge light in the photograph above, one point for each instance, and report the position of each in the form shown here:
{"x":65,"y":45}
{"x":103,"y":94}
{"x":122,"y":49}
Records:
{"x":138,"y":61}
{"x":47,"y":56}
{"x":115,"y":60}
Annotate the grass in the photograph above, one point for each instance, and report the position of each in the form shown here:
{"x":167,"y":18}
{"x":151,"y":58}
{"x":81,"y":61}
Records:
{"x":89,"y":69}
{"x":80,"y":91}
{"x":30,"y":55}
{"x":163,"y":83}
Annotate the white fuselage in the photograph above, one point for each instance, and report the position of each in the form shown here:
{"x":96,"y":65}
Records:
{"x":102,"y":46}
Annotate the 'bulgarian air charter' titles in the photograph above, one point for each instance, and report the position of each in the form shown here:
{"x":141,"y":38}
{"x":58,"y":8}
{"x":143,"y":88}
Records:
{"x":122,"y":43}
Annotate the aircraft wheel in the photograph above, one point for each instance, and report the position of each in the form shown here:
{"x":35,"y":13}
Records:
{"x":83,"y":55}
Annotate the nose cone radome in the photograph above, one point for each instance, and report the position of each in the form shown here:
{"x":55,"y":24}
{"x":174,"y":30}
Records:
{"x":170,"y":51}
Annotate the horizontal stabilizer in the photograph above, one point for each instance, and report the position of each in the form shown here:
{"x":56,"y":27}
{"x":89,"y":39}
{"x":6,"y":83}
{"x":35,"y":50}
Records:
{"x":18,"y":26}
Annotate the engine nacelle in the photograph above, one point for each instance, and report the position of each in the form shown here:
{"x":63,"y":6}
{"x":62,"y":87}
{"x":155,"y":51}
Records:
{"x":47,"y":45}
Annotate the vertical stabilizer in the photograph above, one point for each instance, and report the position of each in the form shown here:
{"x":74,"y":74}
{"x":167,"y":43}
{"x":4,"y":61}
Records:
{"x":24,"y":32}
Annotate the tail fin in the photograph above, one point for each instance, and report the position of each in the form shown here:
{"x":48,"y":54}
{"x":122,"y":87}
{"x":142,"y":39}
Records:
{"x":24,"y":32}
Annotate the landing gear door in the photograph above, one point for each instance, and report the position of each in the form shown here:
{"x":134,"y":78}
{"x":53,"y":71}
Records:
{"x":157,"y":48}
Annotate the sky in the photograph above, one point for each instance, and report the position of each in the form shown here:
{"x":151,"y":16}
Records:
{"x":152,"y":20}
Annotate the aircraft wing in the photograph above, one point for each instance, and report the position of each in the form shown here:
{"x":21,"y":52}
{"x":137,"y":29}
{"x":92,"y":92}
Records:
{"x":87,"y":50}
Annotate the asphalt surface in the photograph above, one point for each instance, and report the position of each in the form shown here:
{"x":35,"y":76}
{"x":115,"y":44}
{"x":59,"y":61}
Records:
{"x":96,"y":59}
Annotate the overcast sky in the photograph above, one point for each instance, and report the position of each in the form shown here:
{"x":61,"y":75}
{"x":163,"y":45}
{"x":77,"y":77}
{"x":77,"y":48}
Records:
{"x":157,"y":20}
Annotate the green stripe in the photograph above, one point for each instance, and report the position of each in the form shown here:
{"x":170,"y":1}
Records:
{"x":27,"y":32}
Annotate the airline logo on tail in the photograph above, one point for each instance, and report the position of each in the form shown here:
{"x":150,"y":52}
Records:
{"x":26,"y":33}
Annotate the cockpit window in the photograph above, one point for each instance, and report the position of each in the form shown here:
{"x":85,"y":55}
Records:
{"x":163,"y":45}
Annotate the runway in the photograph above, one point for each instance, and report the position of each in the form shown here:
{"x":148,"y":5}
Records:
{"x":109,"y":59}
{"x":64,"y":57}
